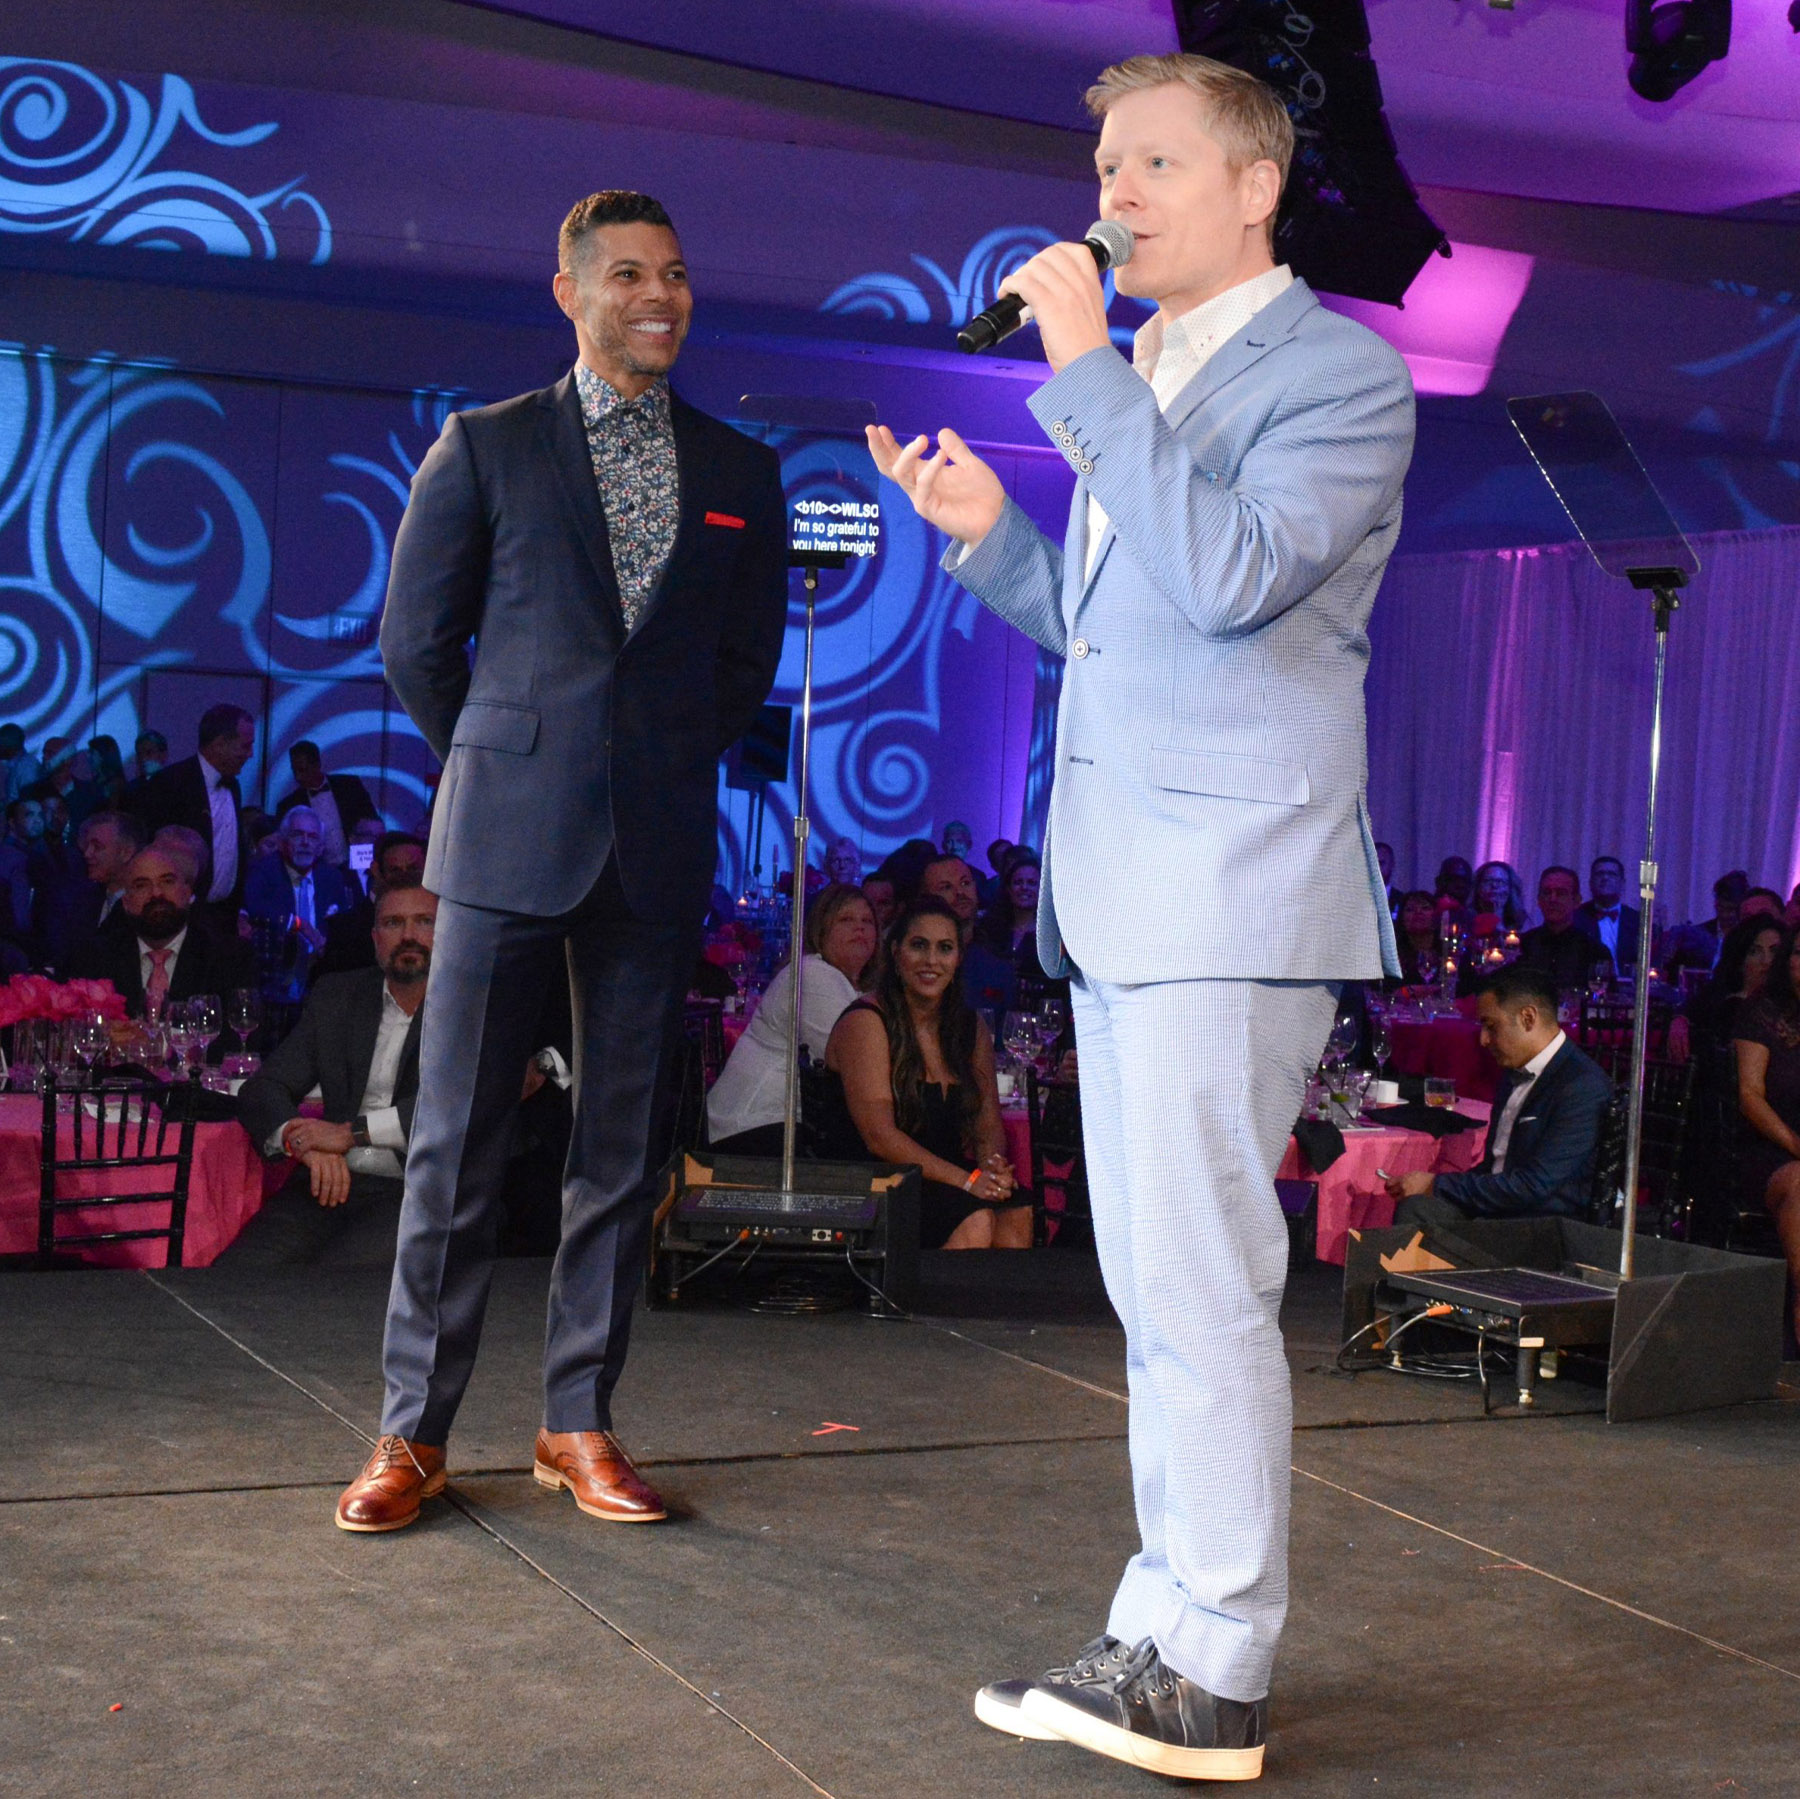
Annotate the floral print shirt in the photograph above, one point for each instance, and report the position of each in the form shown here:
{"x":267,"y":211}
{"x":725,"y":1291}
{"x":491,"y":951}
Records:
{"x":632,"y":446}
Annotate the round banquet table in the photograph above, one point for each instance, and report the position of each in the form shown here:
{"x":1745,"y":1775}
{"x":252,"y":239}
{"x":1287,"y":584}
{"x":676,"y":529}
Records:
{"x":1352,"y":1196}
{"x":227,"y":1182}
{"x":1447,"y":1047}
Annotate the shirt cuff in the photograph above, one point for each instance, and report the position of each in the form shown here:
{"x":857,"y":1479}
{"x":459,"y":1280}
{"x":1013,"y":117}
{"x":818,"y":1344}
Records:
{"x":558,"y":1070}
{"x":274,"y":1148}
{"x":384,"y":1128}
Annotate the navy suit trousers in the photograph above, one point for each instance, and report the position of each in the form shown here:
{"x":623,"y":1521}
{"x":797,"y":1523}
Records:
{"x":490,"y":975}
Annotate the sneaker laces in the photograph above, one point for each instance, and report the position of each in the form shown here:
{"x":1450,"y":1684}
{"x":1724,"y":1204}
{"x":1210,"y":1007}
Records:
{"x":1089,"y":1663}
{"x":1145,"y":1669}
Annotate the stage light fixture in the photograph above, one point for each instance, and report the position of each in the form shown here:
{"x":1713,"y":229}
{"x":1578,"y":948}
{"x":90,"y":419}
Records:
{"x":1669,"y":45}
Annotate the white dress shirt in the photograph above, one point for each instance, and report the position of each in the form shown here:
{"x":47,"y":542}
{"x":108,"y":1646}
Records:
{"x":1515,"y":1100}
{"x":224,"y":832}
{"x":386,"y":1149}
{"x":752,"y":1086}
{"x":1169,"y":355}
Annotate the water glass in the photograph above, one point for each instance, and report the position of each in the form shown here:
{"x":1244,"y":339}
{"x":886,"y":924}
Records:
{"x":30,"y":1050}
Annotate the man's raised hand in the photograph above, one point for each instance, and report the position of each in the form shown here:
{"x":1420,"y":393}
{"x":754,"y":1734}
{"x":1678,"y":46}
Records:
{"x":954,"y":490}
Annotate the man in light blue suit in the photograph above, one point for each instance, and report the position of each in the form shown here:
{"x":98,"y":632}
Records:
{"x":1210,"y":877}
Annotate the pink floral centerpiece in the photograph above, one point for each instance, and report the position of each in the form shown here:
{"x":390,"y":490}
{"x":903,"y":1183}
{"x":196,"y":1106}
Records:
{"x":28,"y":996}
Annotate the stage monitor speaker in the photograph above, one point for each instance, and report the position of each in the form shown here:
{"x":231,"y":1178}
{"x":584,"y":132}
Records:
{"x":1694,"y":1328}
{"x":760,"y":756}
{"x":717,"y":1211}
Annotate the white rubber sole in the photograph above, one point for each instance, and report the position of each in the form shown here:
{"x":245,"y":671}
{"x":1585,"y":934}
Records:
{"x":996,"y":1714}
{"x":1088,"y":1732}
{"x":548,"y":1477}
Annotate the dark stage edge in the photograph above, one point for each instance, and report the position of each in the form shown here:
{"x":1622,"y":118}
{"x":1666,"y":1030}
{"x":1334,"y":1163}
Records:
{"x":1541,"y":1605}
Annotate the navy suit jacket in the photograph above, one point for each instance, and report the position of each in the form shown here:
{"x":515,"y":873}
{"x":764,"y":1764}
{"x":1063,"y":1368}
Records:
{"x":563,"y":739}
{"x":1555,"y":1140}
{"x":269,"y":893}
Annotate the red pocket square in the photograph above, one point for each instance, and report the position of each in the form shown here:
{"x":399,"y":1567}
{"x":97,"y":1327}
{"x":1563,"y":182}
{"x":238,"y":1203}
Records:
{"x":726,"y":519}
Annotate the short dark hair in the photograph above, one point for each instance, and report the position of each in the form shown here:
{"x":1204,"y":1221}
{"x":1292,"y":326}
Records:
{"x":1733,"y":885}
{"x":1614,"y":860}
{"x":1516,"y":985}
{"x":305,"y":747}
{"x":129,"y":827}
{"x":222,"y":720}
{"x":1780,"y":993}
{"x":27,"y":798}
{"x":155,"y":739}
{"x":393,"y":840}
{"x":411,"y":884}
{"x":611,"y":206}
{"x":1559,"y":868}
{"x":1767,"y":893}
{"x":12,"y":740}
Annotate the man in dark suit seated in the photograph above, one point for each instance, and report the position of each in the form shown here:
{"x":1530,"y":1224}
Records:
{"x":296,"y":892}
{"x":168,"y":950}
{"x":341,"y":801}
{"x":200,"y":792}
{"x":1560,"y":948}
{"x":1607,"y":917}
{"x":70,"y":913}
{"x":1548,"y":1116}
{"x":399,"y":862}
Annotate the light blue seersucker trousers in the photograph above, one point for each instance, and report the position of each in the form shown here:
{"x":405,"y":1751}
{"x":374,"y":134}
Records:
{"x":1209,"y":879}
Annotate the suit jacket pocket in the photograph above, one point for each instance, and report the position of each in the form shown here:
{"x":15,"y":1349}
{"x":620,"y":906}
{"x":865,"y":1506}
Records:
{"x":1231,"y":777}
{"x":493,"y":725}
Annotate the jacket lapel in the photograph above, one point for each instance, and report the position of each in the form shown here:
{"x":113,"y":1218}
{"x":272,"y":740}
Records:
{"x":363,"y":1025}
{"x":688,"y":529}
{"x":566,"y":437}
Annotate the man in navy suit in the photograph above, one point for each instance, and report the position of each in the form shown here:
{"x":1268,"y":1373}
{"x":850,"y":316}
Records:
{"x":619,"y":560}
{"x":1548,"y":1116}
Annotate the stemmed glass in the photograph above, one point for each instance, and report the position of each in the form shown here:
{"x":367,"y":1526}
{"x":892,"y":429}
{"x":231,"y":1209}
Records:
{"x":1050,"y":1026}
{"x":89,"y":1036}
{"x":206,"y":1019}
{"x":178,"y":1020}
{"x":1381,"y":1042}
{"x":245,"y":1015}
{"x":1019,"y":1032}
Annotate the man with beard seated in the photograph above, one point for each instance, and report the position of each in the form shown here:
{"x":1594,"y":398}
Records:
{"x":168,"y":952}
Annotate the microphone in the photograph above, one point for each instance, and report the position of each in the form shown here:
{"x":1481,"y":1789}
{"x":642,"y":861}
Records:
{"x":1111,"y":245}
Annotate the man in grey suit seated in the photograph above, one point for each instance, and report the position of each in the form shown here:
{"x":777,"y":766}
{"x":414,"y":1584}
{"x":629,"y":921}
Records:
{"x":1238,"y":495}
{"x":1548,"y":1117}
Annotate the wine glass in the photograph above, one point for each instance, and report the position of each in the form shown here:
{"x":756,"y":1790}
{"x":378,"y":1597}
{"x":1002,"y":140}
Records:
{"x":245,"y":1014}
{"x":178,"y":1020}
{"x":1019,"y":1032}
{"x":1381,"y":1041}
{"x":1341,"y":1044}
{"x":206,"y":1019}
{"x":89,"y":1036}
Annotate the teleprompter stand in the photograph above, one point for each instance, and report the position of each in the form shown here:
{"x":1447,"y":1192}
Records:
{"x":1682,"y":1327}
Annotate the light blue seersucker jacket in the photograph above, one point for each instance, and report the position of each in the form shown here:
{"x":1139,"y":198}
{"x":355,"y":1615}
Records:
{"x":1208,"y":817}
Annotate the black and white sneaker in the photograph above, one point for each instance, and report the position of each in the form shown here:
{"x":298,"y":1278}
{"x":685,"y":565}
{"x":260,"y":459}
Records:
{"x":998,"y":1704}
{"x":1147,"y":1714}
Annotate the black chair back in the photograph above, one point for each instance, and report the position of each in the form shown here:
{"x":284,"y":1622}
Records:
{"x":1054,"y":1108}
{"x":117,"y":1126}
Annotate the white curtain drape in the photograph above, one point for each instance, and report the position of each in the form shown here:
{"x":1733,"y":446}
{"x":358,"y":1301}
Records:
{"x":1509,"y":715}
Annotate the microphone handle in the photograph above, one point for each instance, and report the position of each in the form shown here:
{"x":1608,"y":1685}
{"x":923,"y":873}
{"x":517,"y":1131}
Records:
{"x":988,"y":328}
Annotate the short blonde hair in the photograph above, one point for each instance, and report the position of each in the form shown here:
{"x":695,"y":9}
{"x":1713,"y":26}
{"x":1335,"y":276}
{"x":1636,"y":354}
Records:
{"x":1244,"y":114}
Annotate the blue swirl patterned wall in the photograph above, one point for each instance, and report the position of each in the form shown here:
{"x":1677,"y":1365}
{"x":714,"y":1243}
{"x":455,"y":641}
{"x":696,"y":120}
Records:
{"x":93,"y":161}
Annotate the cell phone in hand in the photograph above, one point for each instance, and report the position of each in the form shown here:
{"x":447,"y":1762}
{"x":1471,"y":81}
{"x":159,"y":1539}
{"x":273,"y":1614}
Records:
{"x":362,"y":857}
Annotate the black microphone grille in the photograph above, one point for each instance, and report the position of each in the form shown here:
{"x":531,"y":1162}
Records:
{"x":1114,"y":239}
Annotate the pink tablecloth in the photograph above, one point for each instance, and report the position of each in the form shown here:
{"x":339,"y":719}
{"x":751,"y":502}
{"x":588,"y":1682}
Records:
{"x":1351,"y":1194}
{"x":1448,"y":1047}
{"x":225,"y":1191}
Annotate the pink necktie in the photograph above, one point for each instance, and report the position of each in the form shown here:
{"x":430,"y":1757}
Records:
{"x":158,"y":989}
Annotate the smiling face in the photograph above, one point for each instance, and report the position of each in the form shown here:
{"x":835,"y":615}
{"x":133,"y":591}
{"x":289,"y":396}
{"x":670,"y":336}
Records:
{"x":1200,"y":225}
{"x":626,"y":293}
{"x":926,"y":958}
{"x":1759,"y":958}
{"x":952,"y":880}
{"x":1022,"y":889}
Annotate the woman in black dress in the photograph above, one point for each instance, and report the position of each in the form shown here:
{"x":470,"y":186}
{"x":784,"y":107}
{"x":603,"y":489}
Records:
{"x":1767,"y":1033}
{"x":917,"y":1063}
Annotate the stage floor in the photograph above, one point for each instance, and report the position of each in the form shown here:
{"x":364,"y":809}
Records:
{"x":1535,"y":1605}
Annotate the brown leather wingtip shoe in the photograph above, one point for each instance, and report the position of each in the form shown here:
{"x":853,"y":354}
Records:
{"x":394,"y":1480}
{"x":592,"y":1465}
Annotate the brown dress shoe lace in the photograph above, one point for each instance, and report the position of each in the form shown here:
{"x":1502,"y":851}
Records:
{"x":596,"y":1469}
{"x":387,"y":1494}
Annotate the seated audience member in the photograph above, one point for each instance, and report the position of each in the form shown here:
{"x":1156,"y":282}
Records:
{"x":1767,"y":1036}
{"x":917,"y":1064}
{"x":1006,"y":933}
{"x":340,"y":801}
{"x":399,"y":861}
{"x":297,"y":891}
{"x":747,"y":1107}
{"x":884,"y":902}
{"x":1705,"y":1024}
{"x":951,"y":880}
{"x":904,"y":866}
{"x":187,"y":848}
{"x":366,"y":832}
{"x":1607,"y":917}
{"x":68,"y":779}
{"x":843,"y":863}
{"x":357,"y":1046}
{"x":107,"y":769}
{"x":958,"y":840}
{"x":166,"y":950}
{"x":151,"y":754}
{"x":995,"y":879}
{"x":1761,"y":902}
{"x":1416,"y":929}
{"x":262,"y":832}
{"x":19,"y":769}
{"x":23,"y":866}
{"x":1791,"y":912}
{"x":70,"y":913}
{"x":1499,"y":902}
{"x":1544,"y":1136}
{"x":1559,"y":947}
{"x":1455,"y":882}
{"x":1697,"y":944}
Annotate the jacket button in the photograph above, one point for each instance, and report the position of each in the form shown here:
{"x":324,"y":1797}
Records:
{"x":1079,"y":648}
{"x":1086,"y":467}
